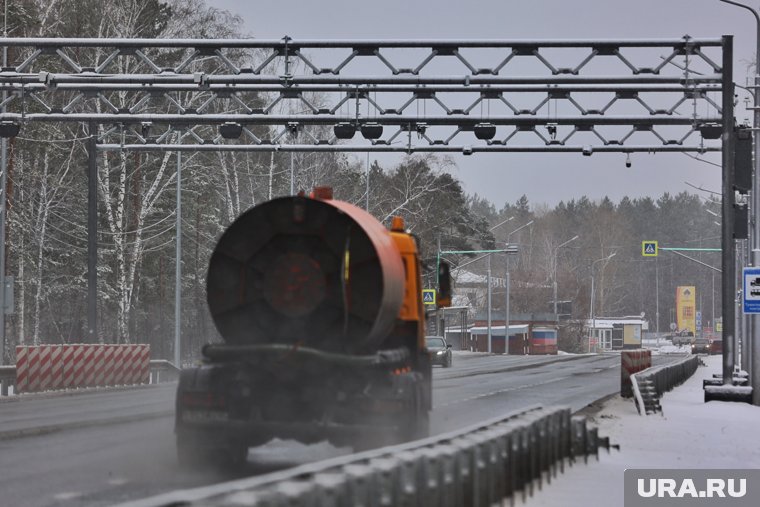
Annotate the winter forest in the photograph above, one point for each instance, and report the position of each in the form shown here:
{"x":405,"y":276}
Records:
{"x":46,"y":241}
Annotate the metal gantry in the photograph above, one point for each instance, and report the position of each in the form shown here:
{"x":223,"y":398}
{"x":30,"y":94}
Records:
{"x":407,"y":96}
{"x":401,"y":96}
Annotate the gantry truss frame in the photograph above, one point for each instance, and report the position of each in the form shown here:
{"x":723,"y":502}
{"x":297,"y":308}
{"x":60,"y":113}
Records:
{"x":143,"y":91}
{"x":225,"y":95}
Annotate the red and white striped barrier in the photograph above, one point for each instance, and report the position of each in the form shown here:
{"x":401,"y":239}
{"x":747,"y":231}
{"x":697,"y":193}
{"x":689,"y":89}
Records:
{"x":632,"y":361}
{"x":46,"y":367}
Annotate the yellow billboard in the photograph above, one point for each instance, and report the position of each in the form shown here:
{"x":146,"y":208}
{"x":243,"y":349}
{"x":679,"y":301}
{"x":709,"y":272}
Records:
{"x":686,"y":307}
{"x":631,"y":336}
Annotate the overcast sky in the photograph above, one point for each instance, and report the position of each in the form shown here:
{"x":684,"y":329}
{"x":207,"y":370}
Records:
{"x":544,"y":178}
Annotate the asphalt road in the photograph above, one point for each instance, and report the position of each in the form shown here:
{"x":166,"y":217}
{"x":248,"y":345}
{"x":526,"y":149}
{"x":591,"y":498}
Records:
{"x":52,"y":453}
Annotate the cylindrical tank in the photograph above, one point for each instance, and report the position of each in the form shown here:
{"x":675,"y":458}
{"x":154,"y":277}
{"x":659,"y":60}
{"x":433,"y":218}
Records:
{"x":312,"y":272}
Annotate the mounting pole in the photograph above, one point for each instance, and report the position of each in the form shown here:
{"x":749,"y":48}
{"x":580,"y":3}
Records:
{"x":3,"y":200}
{"x":92,"y":234}
{"x":728,"y":291}
{"x":178,"y":263}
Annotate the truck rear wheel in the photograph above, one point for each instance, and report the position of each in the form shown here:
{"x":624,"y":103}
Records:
{"x":417,"y":423}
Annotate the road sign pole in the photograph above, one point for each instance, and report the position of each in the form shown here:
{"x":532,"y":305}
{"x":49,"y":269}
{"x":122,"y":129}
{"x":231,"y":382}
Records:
{"x":741,"y":344}
{"x":657,"y":299}
{"x":506,"y":309}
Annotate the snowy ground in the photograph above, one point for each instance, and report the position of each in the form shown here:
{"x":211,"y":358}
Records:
{"x":690,"y":434}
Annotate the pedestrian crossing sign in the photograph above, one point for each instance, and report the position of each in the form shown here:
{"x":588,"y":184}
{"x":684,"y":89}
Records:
{"x":649,"y":248}
{"x":428,"y":296}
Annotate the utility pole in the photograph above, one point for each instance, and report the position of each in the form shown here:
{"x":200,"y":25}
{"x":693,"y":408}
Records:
{"x":92,"y":234}
{"x":3,"y":199}
{"x":178,"y":263}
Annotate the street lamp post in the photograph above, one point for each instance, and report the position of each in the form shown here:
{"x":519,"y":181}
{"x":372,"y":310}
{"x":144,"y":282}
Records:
{"x":755,"y":232}
{"x":591,"y":316}
{"x":486,"y":253}
{"x":506,"y":288}
{"x":488,"y":281}
{"x":554,"y":274}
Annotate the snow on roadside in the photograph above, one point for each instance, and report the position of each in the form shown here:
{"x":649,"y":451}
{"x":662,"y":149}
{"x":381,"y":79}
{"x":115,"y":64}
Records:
{"x":690,"y":434}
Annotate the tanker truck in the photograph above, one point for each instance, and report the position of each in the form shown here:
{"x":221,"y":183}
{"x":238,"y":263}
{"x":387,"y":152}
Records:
{"x":319,"y":309}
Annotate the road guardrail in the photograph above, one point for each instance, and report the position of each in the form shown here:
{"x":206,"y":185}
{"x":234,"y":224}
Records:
{"x":478,"y":466}
{"x":649,"y":385}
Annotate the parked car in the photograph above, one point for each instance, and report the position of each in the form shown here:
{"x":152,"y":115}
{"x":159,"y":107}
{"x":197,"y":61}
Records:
{"x":716,"y":346}
{"x":440,"y":351}
{"x":700,"y":346}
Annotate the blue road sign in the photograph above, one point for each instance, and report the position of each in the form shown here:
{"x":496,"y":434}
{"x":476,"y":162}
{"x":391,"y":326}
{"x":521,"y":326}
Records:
{"x":428,"y":296}
{"x":751,"y":290}
{"x":649,"y":248}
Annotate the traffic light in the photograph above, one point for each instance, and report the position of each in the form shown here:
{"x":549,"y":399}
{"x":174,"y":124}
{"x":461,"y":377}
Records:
{"x":444,"y":285}
{"x":743,"y":160}
{"x":741,"y":221}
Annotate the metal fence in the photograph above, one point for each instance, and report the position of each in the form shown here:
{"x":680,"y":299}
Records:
{"x":480,"y":465}
{"x":650,"y":384}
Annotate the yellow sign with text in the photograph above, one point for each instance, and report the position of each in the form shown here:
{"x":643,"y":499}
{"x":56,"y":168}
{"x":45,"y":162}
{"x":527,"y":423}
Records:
{"x":686,"y":308}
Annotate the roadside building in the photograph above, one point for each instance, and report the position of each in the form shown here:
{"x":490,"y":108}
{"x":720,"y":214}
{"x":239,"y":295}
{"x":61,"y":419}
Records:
{"x":533,"y":334}
{"x":617,"y":333}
